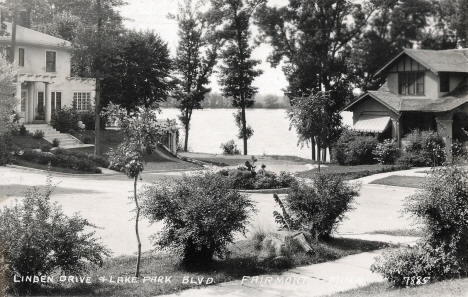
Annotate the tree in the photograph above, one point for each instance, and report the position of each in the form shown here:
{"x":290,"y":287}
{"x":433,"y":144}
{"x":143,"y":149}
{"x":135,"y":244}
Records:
{"x":139,"y":71}
{"x":455,"y":14}
{"x":197,"y":54}
{"x":142,"y":131}
{"x":394,"y":26}
{"x":312,"y":39}
{"x":238,"y":72}
{"x":8,"y":103}
{"x":315,"y":119}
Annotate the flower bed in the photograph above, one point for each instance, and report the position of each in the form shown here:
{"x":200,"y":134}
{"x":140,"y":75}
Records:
{"x":244,"y":179}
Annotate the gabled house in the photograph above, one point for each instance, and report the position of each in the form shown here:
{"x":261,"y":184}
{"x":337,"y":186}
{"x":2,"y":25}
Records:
{"x":44,"y":80}
{"x":424,"y":89}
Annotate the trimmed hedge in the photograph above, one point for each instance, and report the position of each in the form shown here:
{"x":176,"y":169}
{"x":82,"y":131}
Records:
{"x":354,"y":149}
{"x":61,"y":160}
{"x":99,"y":160}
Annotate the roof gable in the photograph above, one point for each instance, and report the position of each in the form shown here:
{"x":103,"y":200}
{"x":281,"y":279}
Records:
{"x":25,"y":36}
{"x":454,"y":60}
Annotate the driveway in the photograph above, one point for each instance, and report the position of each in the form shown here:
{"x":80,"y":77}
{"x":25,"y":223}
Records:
{"x":105,"y":202}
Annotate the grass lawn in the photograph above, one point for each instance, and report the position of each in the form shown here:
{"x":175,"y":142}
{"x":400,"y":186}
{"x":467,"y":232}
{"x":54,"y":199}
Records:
{"x":401,"y":181}
{"x":352,"y":172}
{"x":400,"y":232}
{"x":234,"y":160}
{"x":29,"y":142}
{"x":241,"y":261}
{"x":450,"y":288}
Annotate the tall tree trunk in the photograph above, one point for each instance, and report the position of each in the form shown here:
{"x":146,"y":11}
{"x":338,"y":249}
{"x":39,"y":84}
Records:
{"x":186,"y":138}
{"x":244,"y":129}
{"x":135,"y":181}
{"x":312,"y":144}
{"x":324,"y":155}
{"x":318,"y":157}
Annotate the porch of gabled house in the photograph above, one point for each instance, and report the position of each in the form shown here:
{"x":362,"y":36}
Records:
{"x":393,"y":117}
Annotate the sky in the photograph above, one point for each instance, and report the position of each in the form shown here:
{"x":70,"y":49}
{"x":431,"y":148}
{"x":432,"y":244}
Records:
{"x":152,"y":15}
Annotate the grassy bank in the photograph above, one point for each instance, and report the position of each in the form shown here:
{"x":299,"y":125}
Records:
{"x":242,"y":260}
{"x":352,"y":172}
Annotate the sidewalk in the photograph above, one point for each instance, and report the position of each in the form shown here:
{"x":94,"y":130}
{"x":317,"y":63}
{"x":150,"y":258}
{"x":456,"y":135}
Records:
{"x":314,"y":280}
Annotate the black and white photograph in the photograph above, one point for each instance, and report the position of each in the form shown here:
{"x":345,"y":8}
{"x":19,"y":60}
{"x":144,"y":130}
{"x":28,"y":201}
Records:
{"x":238,"y":148}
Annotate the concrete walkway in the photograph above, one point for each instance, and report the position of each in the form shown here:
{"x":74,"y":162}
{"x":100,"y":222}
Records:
{"x":314,"y":280}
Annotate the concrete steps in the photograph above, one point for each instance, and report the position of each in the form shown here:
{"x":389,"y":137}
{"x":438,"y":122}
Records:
{"x":65,"y":140}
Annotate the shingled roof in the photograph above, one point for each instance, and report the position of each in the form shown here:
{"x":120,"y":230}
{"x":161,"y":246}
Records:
{"x":453,"y":60}
{"x":396,"y":103}
{"x":25,"y":36}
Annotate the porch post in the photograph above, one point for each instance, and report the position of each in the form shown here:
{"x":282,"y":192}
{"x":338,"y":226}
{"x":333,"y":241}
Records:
{"x":31,"y":95}
{"x":444,"y":127}
{"x":48,"y":107}
{"x":396,"y":133}
{"x":18,"y":95}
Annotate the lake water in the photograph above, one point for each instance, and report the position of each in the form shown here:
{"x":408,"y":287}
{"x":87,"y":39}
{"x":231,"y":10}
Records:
{"x":272,"y":136}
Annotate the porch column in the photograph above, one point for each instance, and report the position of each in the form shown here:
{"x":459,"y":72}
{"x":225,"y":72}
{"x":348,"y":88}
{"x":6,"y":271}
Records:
{"x":31,"y":94}
{"x":18,"y":96}
{"x":396,"y":133}
{"x":444,"y":127}
{"x":48,"y":107}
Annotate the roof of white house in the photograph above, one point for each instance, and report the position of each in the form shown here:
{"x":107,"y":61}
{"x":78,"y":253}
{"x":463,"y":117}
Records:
{"x":25,"y":36}
{"x":452,"y":60}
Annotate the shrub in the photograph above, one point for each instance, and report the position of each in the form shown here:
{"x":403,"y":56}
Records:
{"x":443,"y":253}
{"x":459,"y":151}
{"x":55,"y":142}
{"x":5,"y":148}
{"x":318,"y":208}
{"x":442,"y":205}
{"x":244,"y":178}
{"x":201,"y":214}
{"x":386,"y":152}
{"x":38,"y":134}
{"x":87,"y":139}
{"x":412,"y":266}
{"x":423,"y":148}
{"x":352,"y":148}
{"x":3,"y":274}
{"x":99,"y":160}
{"x":40,"y":239}
{"x":22,"y":131}
{"x":230,"y":148}
{"x":65,"y":120}
{"x":88,"y":119}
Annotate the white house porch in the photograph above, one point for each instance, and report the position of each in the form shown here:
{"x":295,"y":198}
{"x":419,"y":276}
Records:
{"x":33,"y":93}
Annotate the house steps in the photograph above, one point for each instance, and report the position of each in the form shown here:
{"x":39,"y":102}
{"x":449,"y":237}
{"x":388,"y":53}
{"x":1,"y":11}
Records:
{"x":66,"y":141}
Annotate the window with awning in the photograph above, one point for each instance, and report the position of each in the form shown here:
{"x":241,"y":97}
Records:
{"x":372,"y":123}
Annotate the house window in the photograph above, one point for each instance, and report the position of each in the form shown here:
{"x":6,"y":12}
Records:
{"x":56,"y":98}
{"x":444,"y":79}
{"x":81,"y":100}
{"x":20,"y":56}
{"x":411,"y":83}
{"x":51,"y":58}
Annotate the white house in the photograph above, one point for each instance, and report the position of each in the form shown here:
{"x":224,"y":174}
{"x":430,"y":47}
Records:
{"x":44,"y":76}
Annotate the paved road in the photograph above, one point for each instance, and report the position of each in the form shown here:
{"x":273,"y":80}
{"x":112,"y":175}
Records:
{"x":105,"y":202}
